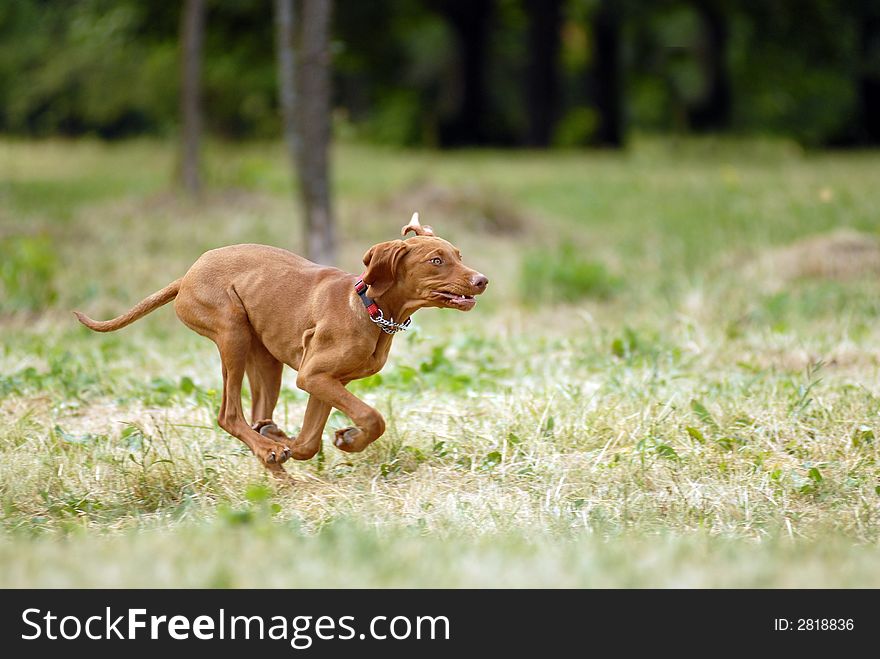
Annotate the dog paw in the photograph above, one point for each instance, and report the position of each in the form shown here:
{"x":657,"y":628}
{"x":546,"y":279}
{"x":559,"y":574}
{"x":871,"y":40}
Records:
{"x":347,"y":438}
{"x":277,"y":454}
{"x":268,"y":429}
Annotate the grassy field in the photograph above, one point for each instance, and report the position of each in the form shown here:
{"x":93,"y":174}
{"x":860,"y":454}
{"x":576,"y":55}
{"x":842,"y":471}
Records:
{"x":673,"y":380}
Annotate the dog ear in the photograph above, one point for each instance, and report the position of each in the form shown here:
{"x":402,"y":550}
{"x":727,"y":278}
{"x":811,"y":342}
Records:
{"x":382,"y":261}
{"x":417,"y":227}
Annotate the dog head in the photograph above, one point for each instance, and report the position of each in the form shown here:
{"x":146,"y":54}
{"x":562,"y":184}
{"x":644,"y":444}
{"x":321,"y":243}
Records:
{"x":426,"y":268}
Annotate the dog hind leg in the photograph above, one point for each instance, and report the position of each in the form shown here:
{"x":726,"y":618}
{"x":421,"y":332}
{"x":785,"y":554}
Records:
{"x":223,"y":319}
{"x":234,"y":336}
{"x":264,"y":375}
{"x":234,"y":357}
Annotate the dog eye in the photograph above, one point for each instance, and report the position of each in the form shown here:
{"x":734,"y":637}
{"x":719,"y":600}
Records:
{"x":437,"y":261}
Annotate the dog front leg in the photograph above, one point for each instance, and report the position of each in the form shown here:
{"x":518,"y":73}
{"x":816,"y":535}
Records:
{"x":369,"y":424}
{"x":308,"y":441}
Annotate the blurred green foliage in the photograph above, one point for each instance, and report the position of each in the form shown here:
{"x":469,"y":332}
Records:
{"x":110,"y":67}
{"x":27,"y":273}
{"x":564,"y":275}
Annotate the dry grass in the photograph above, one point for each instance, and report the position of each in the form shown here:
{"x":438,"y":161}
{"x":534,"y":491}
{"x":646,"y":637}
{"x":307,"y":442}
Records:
{"x":694,"y":428}
{"x":843,"y":254}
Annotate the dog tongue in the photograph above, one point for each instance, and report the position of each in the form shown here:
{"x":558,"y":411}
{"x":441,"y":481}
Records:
{"x":462,"y":300}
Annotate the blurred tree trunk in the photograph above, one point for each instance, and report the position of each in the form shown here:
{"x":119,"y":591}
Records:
{"x":284,"y":47}
{"x":192,"y":36}
{"x":542,"y":83}
{"x":869,"y":74}
{"x":470,"y":20}
{"x":305,"y":88}
{"x":607,"y":74}
{"x":713,"y":111}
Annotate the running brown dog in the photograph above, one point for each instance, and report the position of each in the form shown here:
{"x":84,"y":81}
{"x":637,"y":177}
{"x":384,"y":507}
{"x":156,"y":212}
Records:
{"x":265,"y":307}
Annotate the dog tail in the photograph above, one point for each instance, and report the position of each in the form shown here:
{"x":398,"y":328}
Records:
{"x":140,"y":310}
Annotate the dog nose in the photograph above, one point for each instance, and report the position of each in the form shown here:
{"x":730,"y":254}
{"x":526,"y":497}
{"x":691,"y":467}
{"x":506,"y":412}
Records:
{"x":480,"y":281}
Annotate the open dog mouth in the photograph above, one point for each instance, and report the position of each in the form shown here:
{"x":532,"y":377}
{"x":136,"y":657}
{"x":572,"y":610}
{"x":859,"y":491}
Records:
{"x":457,"y":300}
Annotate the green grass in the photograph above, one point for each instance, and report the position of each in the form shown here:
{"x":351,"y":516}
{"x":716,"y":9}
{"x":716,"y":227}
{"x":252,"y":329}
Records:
{"x":644,"y":397}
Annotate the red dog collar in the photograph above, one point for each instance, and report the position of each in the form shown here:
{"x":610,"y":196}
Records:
{"x":386,"y":325}
{"x":369,"y":303}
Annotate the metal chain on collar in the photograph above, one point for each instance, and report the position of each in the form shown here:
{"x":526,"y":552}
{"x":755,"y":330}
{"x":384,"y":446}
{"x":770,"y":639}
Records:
{"x":389,"y":326}
{"x":386,"y":325}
